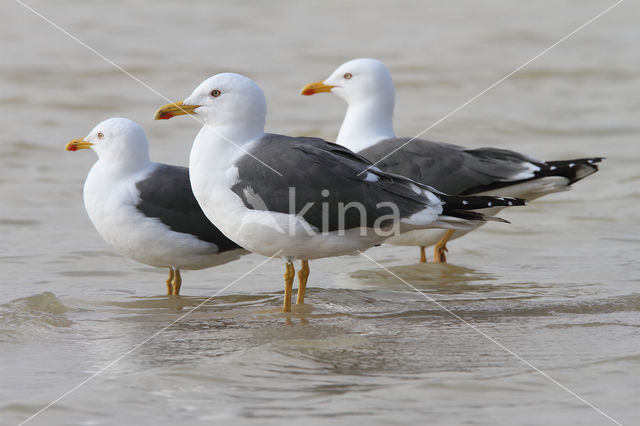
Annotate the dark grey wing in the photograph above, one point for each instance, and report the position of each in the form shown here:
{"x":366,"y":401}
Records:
{"x":318,"y":177}
{"x":166,"y":194}
{"x":457,"y":170}
{"x":428,"y":162}
{"x":450,"y":168}
{"x":505,"y":165}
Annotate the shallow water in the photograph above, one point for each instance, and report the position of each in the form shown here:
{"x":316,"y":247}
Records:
{"x":558,"y":287}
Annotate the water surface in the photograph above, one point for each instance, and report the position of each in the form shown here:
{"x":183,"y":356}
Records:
{"x":558,"y":287}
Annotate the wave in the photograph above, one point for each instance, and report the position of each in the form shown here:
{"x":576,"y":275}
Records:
{"x":32,"y":316}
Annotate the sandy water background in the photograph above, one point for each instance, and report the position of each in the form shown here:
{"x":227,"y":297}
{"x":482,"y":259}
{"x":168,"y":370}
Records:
{"x":559,"y":286}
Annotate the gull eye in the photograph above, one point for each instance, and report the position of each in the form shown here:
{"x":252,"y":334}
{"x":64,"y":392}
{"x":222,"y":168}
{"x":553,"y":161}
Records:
{"x":100,"y":135}
{"x":215,"y":93}
{"x":347,"y":76}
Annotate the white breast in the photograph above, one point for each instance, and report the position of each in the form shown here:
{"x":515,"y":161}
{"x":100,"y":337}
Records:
{"x":111,"y":205}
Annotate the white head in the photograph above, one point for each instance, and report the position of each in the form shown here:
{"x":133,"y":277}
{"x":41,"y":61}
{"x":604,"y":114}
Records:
{"x":359,"y":80}
{"x":224,"y":100}
{"x":119,"y":142}
{"x":367,"y":87}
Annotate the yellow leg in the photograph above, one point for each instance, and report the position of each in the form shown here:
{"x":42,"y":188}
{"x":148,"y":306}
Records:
{"x":303,"y":275}
{"x":170,"y":283}
{"x":423,"y":255}
{"x":441,"y":248}
{"x":177,"y":283}
{"x":289,"y":276}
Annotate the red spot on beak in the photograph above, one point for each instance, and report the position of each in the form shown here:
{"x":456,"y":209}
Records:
{"x":72,"y":148}
{"x":166,"y":116}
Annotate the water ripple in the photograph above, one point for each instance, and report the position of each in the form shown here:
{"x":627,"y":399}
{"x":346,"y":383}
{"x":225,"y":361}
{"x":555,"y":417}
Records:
{"x":31,"y":316}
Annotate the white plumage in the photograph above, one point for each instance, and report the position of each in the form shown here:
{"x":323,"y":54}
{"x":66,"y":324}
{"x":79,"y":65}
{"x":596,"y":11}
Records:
{"x":136,"y":205}
{"x":367,"y":88}
{"x":243,"y":180}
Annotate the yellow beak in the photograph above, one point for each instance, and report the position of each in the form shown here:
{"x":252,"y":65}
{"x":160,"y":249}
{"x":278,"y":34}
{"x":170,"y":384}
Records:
{"x":77,"y":144}
{"x":317,"y":87}
{"x":171,"y":110}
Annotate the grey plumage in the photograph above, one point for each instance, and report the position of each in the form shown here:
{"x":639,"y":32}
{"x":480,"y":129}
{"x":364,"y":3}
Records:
{"x":166,"y":194}
{"x":457,"y":170}
{"x":332,"y":175}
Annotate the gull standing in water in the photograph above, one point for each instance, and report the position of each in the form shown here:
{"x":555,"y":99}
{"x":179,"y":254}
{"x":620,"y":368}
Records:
{"x":147,"y":210}
{"x":367,"y":88}
{"x":300,"y":198}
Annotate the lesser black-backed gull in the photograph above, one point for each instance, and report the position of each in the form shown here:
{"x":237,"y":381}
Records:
{"x":300,"y":198}
{"x":367,"y":87}
{"x":147,"y":210}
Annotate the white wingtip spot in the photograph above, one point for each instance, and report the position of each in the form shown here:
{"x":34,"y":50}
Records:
{"x":465,"y":202}
{"x":510,"y":203}
{"x":370,"y":177}
{"x":552,"y":168}
{"x":572,"y":165}
{"x":489,"y":203}
{"x":415,"y":188}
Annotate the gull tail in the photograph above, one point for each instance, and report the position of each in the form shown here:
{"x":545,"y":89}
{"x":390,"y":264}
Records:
{"x":574,"y":170}
{"x":462,"y":207}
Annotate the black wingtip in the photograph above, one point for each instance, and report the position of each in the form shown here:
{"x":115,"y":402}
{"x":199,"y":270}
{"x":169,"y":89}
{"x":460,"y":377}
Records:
{"x":497,"y":219}
{"x":514,"y":201}
{"x":470,"y":202}
{"x":475,"y":216}
{"x":574,"y":170}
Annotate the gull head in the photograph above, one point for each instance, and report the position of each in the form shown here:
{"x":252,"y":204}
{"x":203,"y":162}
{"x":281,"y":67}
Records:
{"x":356,"y":81}
{"x":117,"y":140}
{"x":222,"y":100}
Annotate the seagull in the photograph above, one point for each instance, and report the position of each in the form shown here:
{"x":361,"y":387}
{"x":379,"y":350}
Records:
{"x":300,"y":198}
{"x":367,"y":88}
{"x":147,"y":210}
